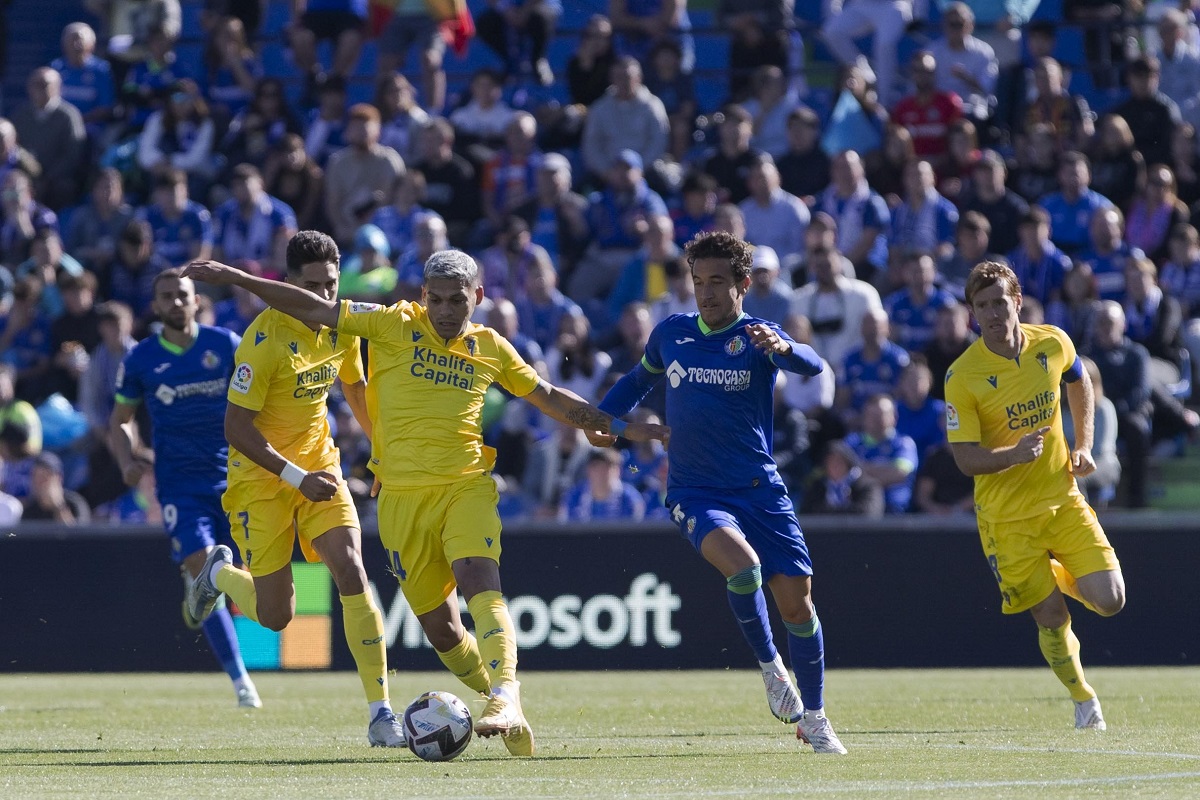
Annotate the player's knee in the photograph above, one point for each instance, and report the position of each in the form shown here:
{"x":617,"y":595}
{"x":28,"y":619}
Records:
{"x":1111,"y":604}
{"x":275,"y":619}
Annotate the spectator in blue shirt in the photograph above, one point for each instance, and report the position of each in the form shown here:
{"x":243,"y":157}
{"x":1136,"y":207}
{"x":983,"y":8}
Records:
{"x":231,"y":70}
{"x":926,"y":220}
{"x":871,"y":369}
{"x":236,"y":312}
{"x":1039,"y":265}
{"x":913,"y":310}
{"x":862,"y":216}
{"x":774,"y":217}
{"x":602,"y":495}
{"x":396,"y":220}
{"x":183,"y":229}
{"x":1071,"y":208}
{"x":21,"y":218}
{"x":543,"y":306}
{"x":644,"y":278}
{"x":919,"y":415}
{"x":886,"y":455}
{"x":87,"y":81}
{"x":1109,"y":254}
{"x":325,"y":133}
{"x":252,"y":224}
{"x":697,"y":207}
{"x":149,"y":82}
{"x":131,"y":278}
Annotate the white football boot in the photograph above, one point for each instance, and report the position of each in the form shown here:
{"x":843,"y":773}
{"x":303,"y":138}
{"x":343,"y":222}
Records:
{"x":782,"y":697}
{"x":815,"y":729}
{"x":1088,"y":715}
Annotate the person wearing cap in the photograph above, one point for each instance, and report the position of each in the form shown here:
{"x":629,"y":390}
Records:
{"x":182,"y":228}
{"x":1152,"y":116}
{"x":252,"y":225}
{"x":360,"y":174}
{"x":769,"y":297}
{"x":841,"y":486}
{"x":557,"y":216}
{"x":368,"y":274}
{"x":602,"y":495}
{"x":49,"y":500}
{"x":617,"y":220}
{"x":627,"y":117}
{"x":774,"y":217}
{"x":990,"y":196}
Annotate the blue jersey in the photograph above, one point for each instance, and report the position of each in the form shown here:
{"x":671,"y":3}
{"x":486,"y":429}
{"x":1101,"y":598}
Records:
{"x":1069,"y":221}
{"x":185,"y":395}
{"x":897,"y":450}
{"x":866,"y":378}
{"x":913,"y":323}
{"x":87,"y":87}
{"x":719,"y":405}
{"x":173,"y":239}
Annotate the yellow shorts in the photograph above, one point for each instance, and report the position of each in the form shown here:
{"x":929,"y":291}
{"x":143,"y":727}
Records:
{"x":1019,"y":552}
{"x":266,"y":518}
{"x":425,"y":530}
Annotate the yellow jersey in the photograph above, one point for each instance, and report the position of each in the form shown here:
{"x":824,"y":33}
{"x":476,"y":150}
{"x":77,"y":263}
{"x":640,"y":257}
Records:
{"x":426,"y":394}
{"x":994,"y":401}
{"x":284,"y":371}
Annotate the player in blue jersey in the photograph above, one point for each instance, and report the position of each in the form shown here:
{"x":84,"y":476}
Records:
{"x":723,"y":488}
{"x":182,"y":376}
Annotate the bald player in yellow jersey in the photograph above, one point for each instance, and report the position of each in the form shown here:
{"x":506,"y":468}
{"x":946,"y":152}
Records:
{"x":1004,"y":422}
{"x":430,"y":368}
{"x":285,"y":477}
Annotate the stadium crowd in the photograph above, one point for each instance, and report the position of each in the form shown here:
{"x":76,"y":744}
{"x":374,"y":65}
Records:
{"x":868,"y":204}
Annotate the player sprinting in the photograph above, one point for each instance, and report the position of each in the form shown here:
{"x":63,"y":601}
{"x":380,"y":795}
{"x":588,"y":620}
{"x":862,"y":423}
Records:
{"x":181,"y":376}
{"x":1004,"y":424}
{"x":723,"y":488}
{"x":430,"y":367}
{"x":285,"y":477}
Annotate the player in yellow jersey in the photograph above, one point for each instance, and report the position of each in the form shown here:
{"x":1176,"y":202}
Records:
{"x":430,"y":367}
{"x":1004,"y":422}
{"x":285,"y":477}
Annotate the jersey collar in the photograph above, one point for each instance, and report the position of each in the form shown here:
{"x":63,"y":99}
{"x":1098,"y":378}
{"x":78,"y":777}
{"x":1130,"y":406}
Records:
{"x":175,"y":349}
{"x":704,"y":329}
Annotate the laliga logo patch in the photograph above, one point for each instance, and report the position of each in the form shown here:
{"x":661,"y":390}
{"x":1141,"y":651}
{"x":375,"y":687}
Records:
{"x":951,"y":417}
{"x":735,"y":346}
{"x":243,"y":376}
{"x":364,"y":308}
{"x":210,"y":360}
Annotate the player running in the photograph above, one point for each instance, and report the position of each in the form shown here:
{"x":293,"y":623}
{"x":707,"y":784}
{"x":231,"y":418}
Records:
{"x":723,"y":488}
{"x":430,"y":367}
{"x":1004,"y":423}
{"x":285,"y":479}
{"x":181,"y":375}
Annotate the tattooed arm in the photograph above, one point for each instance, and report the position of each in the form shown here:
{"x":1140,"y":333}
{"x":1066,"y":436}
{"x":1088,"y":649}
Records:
{"x":569,"y":408}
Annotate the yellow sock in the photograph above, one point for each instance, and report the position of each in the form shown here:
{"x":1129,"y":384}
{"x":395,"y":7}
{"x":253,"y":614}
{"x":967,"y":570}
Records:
{"x":238,"y":584}
{"x":1067,"y":584}
{"x":364,"y":635}
{"x":467,"y":665}
{"x":1061,"y":649}
{"x":496,"y":635}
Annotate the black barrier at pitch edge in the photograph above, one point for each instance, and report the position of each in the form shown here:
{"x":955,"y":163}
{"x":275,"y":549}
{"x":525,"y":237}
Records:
{"x":909,"y":592}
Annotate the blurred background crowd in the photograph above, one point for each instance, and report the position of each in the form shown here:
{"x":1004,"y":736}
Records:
{"x":874,"y":151}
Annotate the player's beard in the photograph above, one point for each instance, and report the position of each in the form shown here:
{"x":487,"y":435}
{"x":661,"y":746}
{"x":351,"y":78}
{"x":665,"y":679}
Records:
{"x":168,"y":320}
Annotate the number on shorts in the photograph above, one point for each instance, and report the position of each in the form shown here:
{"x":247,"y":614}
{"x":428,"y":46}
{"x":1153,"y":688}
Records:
{"x":397,"y":569}
{"x":170,"y":517}
{"x":244,"y":518}
{"x":995,"y":565}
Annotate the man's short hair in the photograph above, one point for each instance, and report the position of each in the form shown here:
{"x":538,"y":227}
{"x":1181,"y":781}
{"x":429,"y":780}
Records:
{"x":719,"y":244}
{"x":989,"y":273}
{"x":308,"y":247}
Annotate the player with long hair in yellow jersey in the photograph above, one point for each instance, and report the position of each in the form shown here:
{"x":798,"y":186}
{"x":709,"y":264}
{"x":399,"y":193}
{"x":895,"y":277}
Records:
{"x":1004,"y":422}
{"x":430,"y":367}
{"x":285,"y":479}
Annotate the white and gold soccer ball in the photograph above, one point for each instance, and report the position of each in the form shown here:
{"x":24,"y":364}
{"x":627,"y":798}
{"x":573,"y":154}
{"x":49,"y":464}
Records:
{"x":437,"y":726}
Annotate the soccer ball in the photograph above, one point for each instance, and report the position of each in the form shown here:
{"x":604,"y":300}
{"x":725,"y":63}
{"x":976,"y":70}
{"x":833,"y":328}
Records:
{"x":437,"y":726}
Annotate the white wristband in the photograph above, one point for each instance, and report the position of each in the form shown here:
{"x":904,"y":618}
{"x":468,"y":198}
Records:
{"x":291,"y":474}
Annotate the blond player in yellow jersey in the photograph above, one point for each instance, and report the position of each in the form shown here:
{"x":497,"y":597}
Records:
{"x":1004,"y":422}
{"x":430,"y":367}
{"x":285,"y":477}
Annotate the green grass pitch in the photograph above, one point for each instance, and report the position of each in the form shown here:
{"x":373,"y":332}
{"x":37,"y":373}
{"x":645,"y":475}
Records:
{"x":911,"y":734}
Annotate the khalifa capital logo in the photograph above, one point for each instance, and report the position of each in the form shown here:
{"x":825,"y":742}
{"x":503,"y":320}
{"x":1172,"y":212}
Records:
{"x":735,"y":345}
{"x":676,"y":374}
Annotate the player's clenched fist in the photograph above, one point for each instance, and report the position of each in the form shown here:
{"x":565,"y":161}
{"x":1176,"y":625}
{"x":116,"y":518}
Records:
{"x":1030,"y":445}
{"x":212,"y":272}
{"x":319,"y":486}
{"x":1082,"y":463}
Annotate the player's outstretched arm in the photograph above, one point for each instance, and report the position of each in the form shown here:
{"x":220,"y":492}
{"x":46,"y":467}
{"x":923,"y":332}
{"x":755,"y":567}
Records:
{"x":244,"y":436}
{"x":783,"y":352}
{"x":975,"y":459}
{"x":570,"y":409}
{"x":291,"y":300}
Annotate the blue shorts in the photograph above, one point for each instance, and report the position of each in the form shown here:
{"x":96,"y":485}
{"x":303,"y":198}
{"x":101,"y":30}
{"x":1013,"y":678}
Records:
{"x":763,"y":515}
{"x":194,"y":523}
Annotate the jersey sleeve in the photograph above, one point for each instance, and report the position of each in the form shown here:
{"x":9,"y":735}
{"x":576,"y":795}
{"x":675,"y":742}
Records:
{"x":253,"y":365}
{"x":962,"y":415}
{"x":129,"y":389}
{"x":352,"y":365}
{"x":370,"y":320}
{"x":515,"y":375}
{"x":652,"y":359}
{"x":1070,"y":358}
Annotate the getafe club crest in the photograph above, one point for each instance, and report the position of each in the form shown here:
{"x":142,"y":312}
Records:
{"x":735,"y":345}
{"x":691,"y":525}
{"x":210,"y":360}
{"x":1041,"y":359}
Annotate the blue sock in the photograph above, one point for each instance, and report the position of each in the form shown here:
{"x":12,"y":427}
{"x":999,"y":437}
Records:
{"x":750,"y":610}
{"x":807,"y":648}
{"x":222,"y":638}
